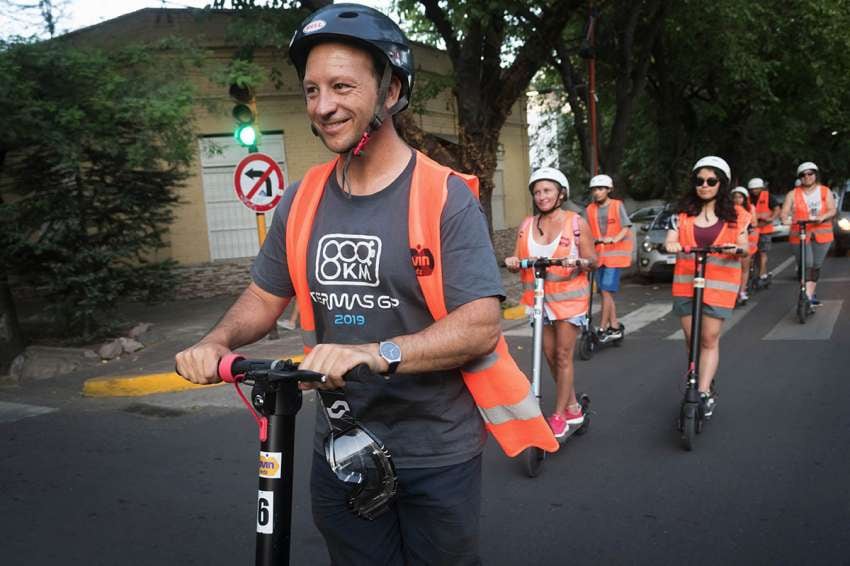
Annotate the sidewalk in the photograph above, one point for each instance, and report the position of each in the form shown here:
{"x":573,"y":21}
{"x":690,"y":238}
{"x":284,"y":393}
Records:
{"x":178,"y":325}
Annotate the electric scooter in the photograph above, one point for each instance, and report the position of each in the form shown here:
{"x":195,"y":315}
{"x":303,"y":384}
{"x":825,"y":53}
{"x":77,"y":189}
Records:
{"x":590,"y":339}
{"x":534,"y":457}
{"x":804,"y":305}
{"x":275,"y":401}
{"x":691,"y":416}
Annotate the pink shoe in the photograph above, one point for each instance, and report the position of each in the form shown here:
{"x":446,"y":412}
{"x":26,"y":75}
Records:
{"x":573,"y":418}
{"x":558,"y":425}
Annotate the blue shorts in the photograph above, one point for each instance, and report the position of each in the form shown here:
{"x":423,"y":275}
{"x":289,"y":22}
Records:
{"x":608,"y":279}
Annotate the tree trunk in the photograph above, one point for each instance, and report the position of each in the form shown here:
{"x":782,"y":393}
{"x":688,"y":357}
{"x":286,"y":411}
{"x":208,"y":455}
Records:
{"x":11,"y":338}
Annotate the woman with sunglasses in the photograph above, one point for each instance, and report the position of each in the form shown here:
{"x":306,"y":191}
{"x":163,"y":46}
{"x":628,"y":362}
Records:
{"x":707,"y":217}
{"x":741,"y":198}
{"x":810,"y":201}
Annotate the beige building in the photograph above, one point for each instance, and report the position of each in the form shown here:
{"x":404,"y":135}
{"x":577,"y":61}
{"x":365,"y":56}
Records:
{"x":211,"y":224}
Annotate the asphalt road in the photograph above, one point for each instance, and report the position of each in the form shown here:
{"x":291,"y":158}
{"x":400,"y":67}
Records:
{"x":171,"y":479}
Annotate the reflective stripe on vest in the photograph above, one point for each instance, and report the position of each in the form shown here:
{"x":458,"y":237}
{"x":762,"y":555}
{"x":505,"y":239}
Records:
{"x":753,"y":232}
{"x":610,"y":255}
{"x":497,"y":385}
{"x":722,"y":271}
{"x":567,"y":291}
{"x":763,"y":207}
{"x":822,"y":233}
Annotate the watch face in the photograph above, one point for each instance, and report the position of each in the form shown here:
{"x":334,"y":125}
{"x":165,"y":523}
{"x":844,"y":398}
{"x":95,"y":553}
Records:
{"x":390,"y":351}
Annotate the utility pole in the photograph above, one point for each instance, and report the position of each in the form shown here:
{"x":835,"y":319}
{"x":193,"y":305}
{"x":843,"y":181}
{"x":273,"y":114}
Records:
{"x":588,"y":51}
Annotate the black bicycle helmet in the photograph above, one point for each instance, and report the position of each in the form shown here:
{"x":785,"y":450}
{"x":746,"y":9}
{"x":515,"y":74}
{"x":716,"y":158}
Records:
{"x":354,"y":23}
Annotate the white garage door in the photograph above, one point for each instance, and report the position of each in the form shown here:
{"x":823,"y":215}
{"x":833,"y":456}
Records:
{"x":232,"y":226}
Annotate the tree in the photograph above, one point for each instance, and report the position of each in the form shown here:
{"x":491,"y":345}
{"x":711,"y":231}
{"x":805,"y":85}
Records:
{"x":96,"y":146}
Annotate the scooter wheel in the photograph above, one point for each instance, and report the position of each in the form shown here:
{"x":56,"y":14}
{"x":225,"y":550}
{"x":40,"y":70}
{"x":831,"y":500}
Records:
{"x":802,"y":310}
{"x":534,"y":458}
{"x":584,"y":401}
{"x":586,"y":346}
{"x":689,"y":427}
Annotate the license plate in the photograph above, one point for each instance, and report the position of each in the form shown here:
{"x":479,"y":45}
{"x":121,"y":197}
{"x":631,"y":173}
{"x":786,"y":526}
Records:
{"x":671,"y":259}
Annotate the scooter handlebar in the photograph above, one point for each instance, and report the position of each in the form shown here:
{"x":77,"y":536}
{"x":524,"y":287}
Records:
{"x":713,"y":250}
{"x":235,"y":367}
{"x":529,"y":263}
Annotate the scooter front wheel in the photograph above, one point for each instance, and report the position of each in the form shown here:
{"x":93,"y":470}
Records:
{"x":587,"y":345}
{"x":802,"y":308}
{"x":534,"y":458}
{"x":689,"y":425}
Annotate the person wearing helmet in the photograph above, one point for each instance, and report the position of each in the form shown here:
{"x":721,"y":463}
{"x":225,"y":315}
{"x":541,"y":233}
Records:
{"x":368,"y":288}
{"x":555,"y":232}
{"x":810,"y":201}
{"x":611,"y":228}
{"x":741,"y":198}
{"x":767,"y":209}
{"x":707,"y":217}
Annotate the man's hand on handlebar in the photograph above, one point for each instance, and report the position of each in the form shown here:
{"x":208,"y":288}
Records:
{"x":334,"y":360}
{"x":199,"y":363}
{"x":673,"y":247}
{"x":512,"y":264}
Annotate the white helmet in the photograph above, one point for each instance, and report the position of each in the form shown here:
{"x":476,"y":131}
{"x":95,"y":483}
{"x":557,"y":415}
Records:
{"x":756,"y":183}
{"x":602,"y":181}
{"x":715,"y":162}
{"x":741,"y":190}
{"x":550,"y":174}
{"x":807,"y":166}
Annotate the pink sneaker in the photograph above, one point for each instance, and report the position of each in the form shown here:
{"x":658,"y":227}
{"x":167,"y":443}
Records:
{"x":573,"y":418}
{"x":558,"y":425}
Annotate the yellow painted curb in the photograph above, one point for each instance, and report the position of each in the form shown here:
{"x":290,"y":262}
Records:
{"x":138,"y":385}
{"x":514,"y":313}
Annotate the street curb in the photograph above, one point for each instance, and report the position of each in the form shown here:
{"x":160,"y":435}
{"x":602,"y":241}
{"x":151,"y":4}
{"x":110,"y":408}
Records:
{"x":148,"y":384}
{"x":514,"y":313}
{"x":138,"y":385}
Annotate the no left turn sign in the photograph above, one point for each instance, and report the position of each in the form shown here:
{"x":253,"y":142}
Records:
{"x":259,"y":182}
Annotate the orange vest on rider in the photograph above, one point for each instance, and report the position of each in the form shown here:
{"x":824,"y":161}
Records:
{"x":610,"y":255}
{"x":822,"y":232}
{"x":752,"y":230}
{"x":763,"y":207}
{"x":502,"y":392}
{"x":566,"y":290}
{"x":722,"y":271}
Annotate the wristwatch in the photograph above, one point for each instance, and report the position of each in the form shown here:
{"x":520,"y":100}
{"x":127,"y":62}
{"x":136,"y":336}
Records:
{"x":391,"y":353}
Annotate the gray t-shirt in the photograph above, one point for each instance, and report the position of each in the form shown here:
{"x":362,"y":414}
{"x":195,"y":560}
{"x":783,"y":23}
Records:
{"x":364,"y":289}
{"x":602,"y":217}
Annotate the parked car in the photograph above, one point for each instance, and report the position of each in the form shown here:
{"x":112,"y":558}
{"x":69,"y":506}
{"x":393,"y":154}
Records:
{"x":645,"y":214}
{"x":653,"y":262}
{"x":780,"y":230}
{"x":841,"y":222}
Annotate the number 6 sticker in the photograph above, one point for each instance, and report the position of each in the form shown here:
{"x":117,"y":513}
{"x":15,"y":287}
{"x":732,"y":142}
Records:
{"x":265,"y":512}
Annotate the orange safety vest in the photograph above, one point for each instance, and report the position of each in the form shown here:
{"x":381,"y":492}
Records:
{"x":763,"y":207}
{"x":610,"y":255}
{"x":566,"y":290}
{"x":822,"y":232}
{"x":722,"y":271}
{"x":502,"y":392}
{"x":752,"y":230}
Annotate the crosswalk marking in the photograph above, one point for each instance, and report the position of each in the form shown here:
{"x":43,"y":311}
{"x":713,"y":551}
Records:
{"x":737,"y":315}
{"x":11,"y":412}
{"x":647,"y":314}
{"x":818,"y":327}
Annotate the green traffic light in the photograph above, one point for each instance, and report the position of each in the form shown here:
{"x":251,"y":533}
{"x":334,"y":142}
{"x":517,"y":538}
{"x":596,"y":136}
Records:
{"x":246,"y":135}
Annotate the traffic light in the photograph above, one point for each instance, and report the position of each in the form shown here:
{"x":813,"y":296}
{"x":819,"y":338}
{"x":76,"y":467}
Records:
{"x":245,"y":114}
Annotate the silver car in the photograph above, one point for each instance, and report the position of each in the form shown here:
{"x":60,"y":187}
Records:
{"x":654,"y":263}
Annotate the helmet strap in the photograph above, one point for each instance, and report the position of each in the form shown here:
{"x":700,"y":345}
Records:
{"x":374,"y":124}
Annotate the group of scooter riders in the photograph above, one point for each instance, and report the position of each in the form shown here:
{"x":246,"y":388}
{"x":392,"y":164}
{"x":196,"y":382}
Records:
{"x":740,"y":219}
{"x":421,"y":310}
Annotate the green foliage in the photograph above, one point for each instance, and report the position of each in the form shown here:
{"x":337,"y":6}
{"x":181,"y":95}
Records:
{"x":98,"y":144}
